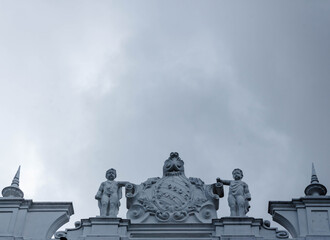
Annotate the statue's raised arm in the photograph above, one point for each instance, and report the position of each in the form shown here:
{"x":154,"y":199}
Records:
{"x":224,"y":182}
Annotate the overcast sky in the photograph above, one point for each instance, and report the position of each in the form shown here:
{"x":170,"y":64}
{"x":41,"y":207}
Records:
{"x":90,"y":85}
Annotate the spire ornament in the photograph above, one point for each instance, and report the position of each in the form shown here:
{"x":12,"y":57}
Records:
{"x":315,"y":188}
{"x":14,"y":190}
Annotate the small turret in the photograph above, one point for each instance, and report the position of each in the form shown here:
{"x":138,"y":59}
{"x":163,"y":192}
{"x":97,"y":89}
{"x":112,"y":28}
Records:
{"x":14,"y":190}
{"x":315,"y":188}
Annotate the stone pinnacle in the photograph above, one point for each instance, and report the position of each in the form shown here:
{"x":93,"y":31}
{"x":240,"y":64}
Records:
{"x":14,"y":190}
{"x":315,"y":188}
{"x":15,"y":182}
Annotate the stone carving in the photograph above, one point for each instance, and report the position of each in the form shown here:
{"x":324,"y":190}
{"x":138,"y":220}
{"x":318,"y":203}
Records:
{"x":109,"y":195}
{"x":13,"y":190}
{"x":60,"y":235}
{"x":280,"y":234}
{"x":174,"y":197}
{"x":315,"y":188}
{"x":239,"y":195}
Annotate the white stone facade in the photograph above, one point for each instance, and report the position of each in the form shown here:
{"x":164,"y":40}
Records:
{"x":306,"y":218}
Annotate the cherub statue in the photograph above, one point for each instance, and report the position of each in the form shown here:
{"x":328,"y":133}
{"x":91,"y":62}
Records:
{"x":239,"y":195}
{"x":109,"y":195}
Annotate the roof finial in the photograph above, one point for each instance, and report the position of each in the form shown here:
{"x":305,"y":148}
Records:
{"x":315,"y":188}
{"x":15,"y":182}
{"x":13,"y":190}
{"x":314,"y":178}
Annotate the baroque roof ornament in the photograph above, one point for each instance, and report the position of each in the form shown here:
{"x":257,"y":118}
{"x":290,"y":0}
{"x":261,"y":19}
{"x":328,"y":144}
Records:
{"x":109,"y":195}
{"x":315,"y":188}
{"x":239,"y":194}
{"x":174,"y":197}
{"x":14,"y":190}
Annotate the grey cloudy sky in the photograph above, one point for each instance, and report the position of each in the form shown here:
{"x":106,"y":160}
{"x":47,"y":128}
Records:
{"x":90,"y":85}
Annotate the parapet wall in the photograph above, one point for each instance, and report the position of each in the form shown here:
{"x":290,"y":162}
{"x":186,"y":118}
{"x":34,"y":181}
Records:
{"x":173,"y":207}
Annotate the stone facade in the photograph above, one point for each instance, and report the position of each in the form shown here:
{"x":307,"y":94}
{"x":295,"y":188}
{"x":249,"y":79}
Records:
{"x":171,"y":207}
{"x":25,"y":219}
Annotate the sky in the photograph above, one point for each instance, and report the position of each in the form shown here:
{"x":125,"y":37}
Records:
{"x":90,"y":85}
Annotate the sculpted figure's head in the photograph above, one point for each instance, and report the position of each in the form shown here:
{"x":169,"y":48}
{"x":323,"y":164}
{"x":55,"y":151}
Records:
{"x":111,"y":174}
{"x":237,"y":174}
{"x":173,"y":165}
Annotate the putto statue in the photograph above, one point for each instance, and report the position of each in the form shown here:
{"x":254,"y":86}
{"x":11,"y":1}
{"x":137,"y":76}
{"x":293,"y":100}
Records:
{"x":239,"y":195}
{"x":109,"y":195}
{"x":173,"y":198}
